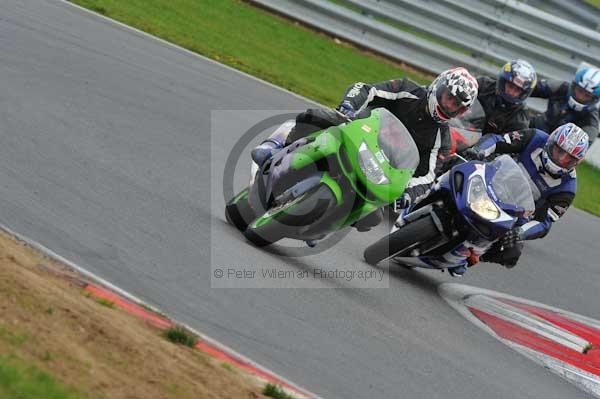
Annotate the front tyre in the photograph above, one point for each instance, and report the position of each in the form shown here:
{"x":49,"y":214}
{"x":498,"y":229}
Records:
{"x":289,"y":219}
{"x":238,"y":211}
{"x":400,"y":241}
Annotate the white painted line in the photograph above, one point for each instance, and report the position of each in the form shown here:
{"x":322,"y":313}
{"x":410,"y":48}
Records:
{"x":304,"y":393}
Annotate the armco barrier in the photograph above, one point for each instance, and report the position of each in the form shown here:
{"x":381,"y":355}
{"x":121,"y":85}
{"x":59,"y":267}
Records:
{"x":483,"y":34}
{"x":593,"y":156}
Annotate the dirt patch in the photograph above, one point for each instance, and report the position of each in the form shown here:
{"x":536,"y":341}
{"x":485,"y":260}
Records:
{"x":50,"y":321}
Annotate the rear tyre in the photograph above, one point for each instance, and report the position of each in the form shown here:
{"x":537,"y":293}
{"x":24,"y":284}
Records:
{"x":419,"y":231}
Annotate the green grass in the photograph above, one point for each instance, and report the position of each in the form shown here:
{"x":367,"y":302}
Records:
{"x":276,"y":392}
{"x":23,"y":381}
{"x":588,"y":192}
{"x":595,"y":3}
{"x":179,"y":335}
{"x":13,"y":338}
{"x":256,"y":42}
{"x":227,"y":366}
{"x":106,"y":303}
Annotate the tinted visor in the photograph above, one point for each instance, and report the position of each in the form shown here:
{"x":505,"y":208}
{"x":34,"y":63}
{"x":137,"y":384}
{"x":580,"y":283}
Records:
{"x":562,"y":158}
{"x":449,"y":105}
{"x":581,"y":95}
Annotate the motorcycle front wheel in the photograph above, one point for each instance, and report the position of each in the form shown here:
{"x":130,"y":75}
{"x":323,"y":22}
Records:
{"x":238,"y":211}
{"x":286,"y":220}
{"x":402,"y":240}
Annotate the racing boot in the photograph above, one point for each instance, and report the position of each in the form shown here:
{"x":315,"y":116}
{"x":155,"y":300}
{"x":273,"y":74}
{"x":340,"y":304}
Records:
{"x":273,"y":144}
{"x":265,"y":151}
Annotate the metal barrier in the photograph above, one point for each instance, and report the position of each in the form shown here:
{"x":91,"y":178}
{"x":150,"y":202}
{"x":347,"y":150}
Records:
{"x":575,"y":11}
{"x":593,"y":155}
{"x":479,"y":34}
{"x":446,"y":22}
{"x":370,"y":33}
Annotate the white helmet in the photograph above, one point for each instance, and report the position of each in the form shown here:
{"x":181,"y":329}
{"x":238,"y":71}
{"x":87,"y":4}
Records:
{"x":587,"y":82}
{"x":451,"y":94}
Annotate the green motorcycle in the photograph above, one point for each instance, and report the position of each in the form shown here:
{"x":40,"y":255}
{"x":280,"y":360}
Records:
{"x":326,"y":181}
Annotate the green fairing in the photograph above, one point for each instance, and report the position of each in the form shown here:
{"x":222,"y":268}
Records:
{"x":327,"y":142}
{"x":354,"y":135}
{"x":334,"y":186}
{"x":354,"y":195}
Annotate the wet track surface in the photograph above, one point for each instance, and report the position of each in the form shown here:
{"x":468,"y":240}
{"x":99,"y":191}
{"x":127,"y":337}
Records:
{"x":107,"y":158}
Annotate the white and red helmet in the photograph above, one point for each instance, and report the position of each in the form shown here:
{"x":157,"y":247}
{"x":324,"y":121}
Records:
{"x":565,"y":149}
{"x":451,"y":94}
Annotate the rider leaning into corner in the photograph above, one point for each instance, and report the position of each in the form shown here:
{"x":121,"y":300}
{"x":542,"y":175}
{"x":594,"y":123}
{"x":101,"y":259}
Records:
{"x":575,"y":102}
{"x":421,"y":109}
{"x":549,"y":161}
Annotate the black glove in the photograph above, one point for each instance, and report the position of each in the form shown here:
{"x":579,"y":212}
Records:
{"x":347,"y":109}
{"x":512,"y":238}
{"x":474,"y":153}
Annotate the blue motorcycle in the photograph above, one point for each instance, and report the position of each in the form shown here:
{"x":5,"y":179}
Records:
{"x":470,"y":207}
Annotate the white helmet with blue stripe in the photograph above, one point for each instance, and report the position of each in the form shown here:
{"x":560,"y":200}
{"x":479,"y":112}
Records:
{"x":584,"y":93}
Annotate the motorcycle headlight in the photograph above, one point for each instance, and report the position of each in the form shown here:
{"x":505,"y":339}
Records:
{"x":369,"y":165}
{"x":479,"y":201}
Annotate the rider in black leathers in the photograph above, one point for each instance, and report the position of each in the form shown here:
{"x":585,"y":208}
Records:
{"x":503,"y":99}
{"x":575,"y":102}
{"x":421,"y":109}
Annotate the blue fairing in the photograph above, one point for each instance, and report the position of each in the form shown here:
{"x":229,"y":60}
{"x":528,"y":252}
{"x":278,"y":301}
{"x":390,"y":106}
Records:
{"x":505,"y":184}
{"x":496,"y":228}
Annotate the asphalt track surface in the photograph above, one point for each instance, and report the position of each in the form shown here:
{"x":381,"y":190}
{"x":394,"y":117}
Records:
{"x":107,"y":158}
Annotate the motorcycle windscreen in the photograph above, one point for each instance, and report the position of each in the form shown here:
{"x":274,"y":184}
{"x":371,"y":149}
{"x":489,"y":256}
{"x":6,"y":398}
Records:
{"x":511,"y":186}
{"x":473,"y":119}
{"x":396,"y":142}
{"x":467,"y":130}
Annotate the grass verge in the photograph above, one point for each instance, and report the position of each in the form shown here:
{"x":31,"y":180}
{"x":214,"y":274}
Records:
{"x":257,"y":42}
{"x":58,"y":342}
{"x":179,"y":335}
{"x":588,"y":188}
{"x":19,"y":379}
{"x":276,"y":50}
{"x":274,"y":391}
{"x":595,"y":3}
{"x":106,"y":303}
